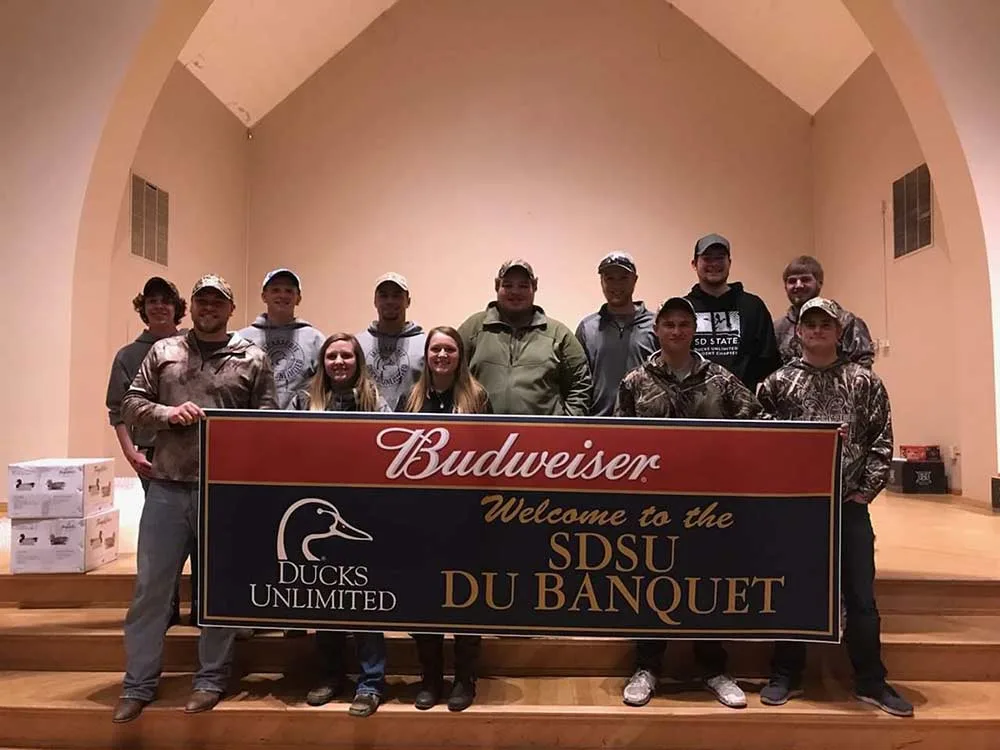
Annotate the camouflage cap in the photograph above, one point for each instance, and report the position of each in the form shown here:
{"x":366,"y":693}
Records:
{"x":617,"y":259}
{"x":393,"y":278}
{"x":676,"y":303}
{"x":211,"y":281}
{"x":510,"y":265}
{"x":821,"y":304}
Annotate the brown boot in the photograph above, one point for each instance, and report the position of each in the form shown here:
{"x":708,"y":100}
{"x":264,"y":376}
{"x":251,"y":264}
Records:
{"x":202,"y":700}
{"x":127,"y":709}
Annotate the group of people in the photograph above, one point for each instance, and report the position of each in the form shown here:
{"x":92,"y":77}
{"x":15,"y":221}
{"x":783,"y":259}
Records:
{"x":714,"y":353}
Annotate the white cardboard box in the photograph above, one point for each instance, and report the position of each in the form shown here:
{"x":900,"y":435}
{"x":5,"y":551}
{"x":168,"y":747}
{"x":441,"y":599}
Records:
{"x":63,"y":545}
{"x":60,"y":487}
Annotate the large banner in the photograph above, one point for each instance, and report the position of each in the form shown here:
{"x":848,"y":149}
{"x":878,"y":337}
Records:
{"x":521,"y":526}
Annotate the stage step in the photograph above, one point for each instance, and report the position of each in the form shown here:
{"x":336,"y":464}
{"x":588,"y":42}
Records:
{"x":112,"y":586}
{"x":915,"y":647}
{"x":73,"y":709}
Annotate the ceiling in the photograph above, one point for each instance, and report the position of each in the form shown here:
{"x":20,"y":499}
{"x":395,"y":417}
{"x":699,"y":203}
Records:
{"x":253,"y":53}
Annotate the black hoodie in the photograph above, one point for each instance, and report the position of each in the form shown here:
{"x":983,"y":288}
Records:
{"x":735,"y":330}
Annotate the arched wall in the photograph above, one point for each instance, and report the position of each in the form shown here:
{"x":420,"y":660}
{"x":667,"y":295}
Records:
{"x":81,"y":79}
{"x":945,"y":65}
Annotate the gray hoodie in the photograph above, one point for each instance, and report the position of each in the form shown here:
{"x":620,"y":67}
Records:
{"x":394,"y":361}
{"x":123,"y":371}
{"x":293,"y":350}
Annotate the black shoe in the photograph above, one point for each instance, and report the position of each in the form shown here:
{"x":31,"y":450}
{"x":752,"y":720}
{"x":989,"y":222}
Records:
{"x":364,"y":704}
{"x":463,"y":693}
{"x":779,"y":690}
{"x":885,"y":697}
{"x":323,"y":694}
{"x":429,"y":694}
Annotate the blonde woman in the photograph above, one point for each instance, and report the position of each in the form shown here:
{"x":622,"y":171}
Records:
{"x":446,"y":387}
{"x":341,"y":383}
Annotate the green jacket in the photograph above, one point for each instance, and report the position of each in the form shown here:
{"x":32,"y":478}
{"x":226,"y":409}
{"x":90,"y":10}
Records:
{"x":538,"y":369}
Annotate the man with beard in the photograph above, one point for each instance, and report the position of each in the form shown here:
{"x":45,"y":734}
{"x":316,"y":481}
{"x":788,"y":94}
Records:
{"x":678,"y":383}
{"x":292,"y":345}
{"x":734,"y":326}
{"x":618,"y":337}
{"x":161,"y":308}
{"x":528,"y":362}
{"x":393,"y":346}
{"x":206,"y":368}
{"x":803,"y":279}
{"x":823,"y":387}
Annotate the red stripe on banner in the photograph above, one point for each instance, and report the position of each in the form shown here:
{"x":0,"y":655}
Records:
{"x":527,"y":455}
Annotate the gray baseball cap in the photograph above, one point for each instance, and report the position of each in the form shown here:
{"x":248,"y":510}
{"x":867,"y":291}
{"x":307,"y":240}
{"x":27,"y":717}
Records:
{"x":710,"y":241}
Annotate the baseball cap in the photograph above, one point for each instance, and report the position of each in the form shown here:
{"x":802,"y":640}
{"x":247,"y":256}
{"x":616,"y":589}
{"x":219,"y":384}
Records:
{"x":619,"y":259}
{"x":272,"y":275}
{"x":395,"y":278}
{"x":677,"y":303}
{"x":821,"y":304}
{"x":211,"y":281}
{"x":709,"y":241}
{"x":159,"y":284}
{"x":516,"y":263}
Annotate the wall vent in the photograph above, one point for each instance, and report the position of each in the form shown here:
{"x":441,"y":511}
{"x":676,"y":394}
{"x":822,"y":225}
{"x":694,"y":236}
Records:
{"x":150,"y":215}
{"x":912,"y":210}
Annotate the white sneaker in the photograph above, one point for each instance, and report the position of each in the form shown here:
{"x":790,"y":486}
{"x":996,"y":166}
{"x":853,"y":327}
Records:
{"x":727,"y":691}
{"x":640,"y":688}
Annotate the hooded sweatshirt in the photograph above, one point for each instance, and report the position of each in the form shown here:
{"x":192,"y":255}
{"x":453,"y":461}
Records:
{"x":614,"y":349}
{"x":843,"y":392}
{"x":735,"y":330}
{"x":708,"y":391}
{"x":394,"y":361}
{"x":123,"y":371}
{"x":855,"y":343}
{"x":293,"y":350}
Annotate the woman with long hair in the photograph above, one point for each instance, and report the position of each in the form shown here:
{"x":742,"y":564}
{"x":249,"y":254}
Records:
{"x":446,"y":387}
{"x":341,"y":383}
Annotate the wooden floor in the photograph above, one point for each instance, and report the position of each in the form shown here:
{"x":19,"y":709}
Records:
{"x":61,"y":654}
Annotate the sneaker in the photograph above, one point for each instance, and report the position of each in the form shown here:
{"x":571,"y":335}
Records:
{"x":640,"y":688}
{"x":727,"y":691}
{"x":365,"y":704}
{"x":779,"y":690}
{"x":885,"y":697}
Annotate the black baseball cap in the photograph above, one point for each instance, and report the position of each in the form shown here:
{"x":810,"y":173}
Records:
{"x":709,"y":241}
{"x":159,"y":284}
{"x":677,"y":303}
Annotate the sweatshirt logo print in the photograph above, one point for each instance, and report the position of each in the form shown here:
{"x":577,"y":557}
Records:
{"x":389,"y":367}
{"x":288,"y":361}
{"x":717,"y":333}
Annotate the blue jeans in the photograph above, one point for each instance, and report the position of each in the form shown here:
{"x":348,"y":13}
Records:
{"x":167,"y":531}
{"x":332,"y":645}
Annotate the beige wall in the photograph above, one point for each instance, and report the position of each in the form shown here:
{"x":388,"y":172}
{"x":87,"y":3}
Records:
{"x":63,"y":63}
{"x":863,"y":141}
{"x":196,"y":150}
{"x":452,"y":134}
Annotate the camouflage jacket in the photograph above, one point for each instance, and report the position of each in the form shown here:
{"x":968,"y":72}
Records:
{"x":855,"y":344}
{"x":237,"y":376}
{"x":709,"y":391}
{"x":844,"y":392}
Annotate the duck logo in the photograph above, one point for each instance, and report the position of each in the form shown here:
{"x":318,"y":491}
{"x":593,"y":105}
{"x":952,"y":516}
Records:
{"x":316,"y":509}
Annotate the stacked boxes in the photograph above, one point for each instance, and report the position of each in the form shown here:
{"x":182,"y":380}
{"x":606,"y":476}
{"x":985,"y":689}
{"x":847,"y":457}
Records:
{"x":62,"y":515}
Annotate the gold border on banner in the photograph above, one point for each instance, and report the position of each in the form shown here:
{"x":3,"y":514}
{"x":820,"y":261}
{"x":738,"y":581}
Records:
{"x":543,"y":631}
